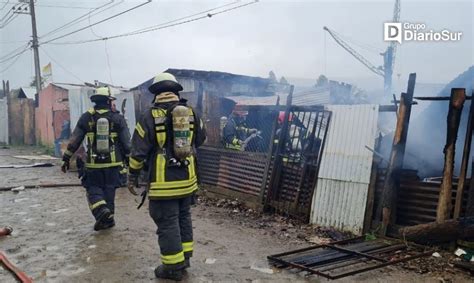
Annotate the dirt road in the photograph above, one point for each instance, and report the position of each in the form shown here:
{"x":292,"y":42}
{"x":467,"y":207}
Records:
{"x":53,"y":240}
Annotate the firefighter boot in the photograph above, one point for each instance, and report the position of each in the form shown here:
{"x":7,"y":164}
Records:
{"x":187,"y":263}
{"x":165,"y":272}
{"x":104,"y":220}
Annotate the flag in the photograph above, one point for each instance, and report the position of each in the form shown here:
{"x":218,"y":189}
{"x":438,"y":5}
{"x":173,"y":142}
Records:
{"x":47,"y":71}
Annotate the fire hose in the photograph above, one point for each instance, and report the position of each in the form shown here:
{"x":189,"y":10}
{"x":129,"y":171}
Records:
{"x":20,"y":275}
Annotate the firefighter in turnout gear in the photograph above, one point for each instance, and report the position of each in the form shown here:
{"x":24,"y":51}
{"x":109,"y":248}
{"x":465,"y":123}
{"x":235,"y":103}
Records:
{"x":108,"y":145}
{"x":165,"y":138}
{"x":236,"y":131}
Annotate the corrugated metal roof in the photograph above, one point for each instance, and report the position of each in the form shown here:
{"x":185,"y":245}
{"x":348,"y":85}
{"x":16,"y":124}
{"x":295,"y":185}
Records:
{"x":29,"y":92}
{"x":340,"y":197}
{"x":315,"y":96}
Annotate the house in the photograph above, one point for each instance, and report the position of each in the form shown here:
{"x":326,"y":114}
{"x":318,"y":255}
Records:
{"x":217,"y":84}
{"x":52,"y":112}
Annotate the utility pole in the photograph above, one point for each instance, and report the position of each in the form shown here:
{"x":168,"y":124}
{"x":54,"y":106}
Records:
{"x":35,"y":46}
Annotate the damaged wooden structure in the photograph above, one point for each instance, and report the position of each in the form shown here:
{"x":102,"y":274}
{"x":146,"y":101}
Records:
{"x":314,"y":162}
{"x":435,"y":210}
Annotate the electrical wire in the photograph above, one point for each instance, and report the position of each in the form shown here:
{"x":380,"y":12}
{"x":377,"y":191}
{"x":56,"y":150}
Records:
{"x":15,"y":52}
{"x":5,"y":4}
{"x":157,"y":27}
{"x":66,"y":7}
{"x":14,"y":61}
{"x":61,"y":66}
{"x":7,"y":22}
{"x":78,"y":19}
{"x":108,"y":61}
{"x":99,"y":22}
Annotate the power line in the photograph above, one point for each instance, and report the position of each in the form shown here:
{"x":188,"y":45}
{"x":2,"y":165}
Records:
{"x":78,"y":19}
{"x":14,"y":61}
{"x":189,"y":16}
{"x":9,"y":55}
{"x":99,"y":22}
{"x":5,"y":4}
{"x":61,"y":66}
{"x":158,"y":27}
{"x":65,"y":7}
{"x":108,"y":62}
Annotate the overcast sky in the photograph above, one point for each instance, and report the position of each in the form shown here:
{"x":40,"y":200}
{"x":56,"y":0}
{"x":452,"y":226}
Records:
{"x":284,"y":36}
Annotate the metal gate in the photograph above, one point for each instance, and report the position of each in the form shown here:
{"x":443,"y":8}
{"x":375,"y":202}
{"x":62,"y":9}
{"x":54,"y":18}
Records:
{"x":296,"y":154}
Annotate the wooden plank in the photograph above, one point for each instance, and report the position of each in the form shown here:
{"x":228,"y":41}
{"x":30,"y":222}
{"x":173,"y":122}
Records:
{"x":464,"y":163}
{"x":458,"y":96}
{"x":388,"y":204}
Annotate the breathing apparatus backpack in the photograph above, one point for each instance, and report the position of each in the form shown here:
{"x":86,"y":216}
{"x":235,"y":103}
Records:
{"x":178,"y":124}
{"x":102,"y":136}
{"x":181,"y":132}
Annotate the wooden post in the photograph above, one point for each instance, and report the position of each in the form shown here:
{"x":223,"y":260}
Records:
{"x":277,"y":162}
{"x":458,"y":96}
{"x":389,"y":195}
{"x":470,"y":199}
{"x":464,"y":164}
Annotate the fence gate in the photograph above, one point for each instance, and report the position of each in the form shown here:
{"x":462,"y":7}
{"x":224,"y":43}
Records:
{"x":296,"y":155}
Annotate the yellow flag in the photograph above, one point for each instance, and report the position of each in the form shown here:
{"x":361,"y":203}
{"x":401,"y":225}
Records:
{"x":47,"y":71}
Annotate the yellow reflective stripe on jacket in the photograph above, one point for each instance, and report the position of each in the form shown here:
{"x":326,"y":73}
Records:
{"x":173,"y":259}
{"x":113,"y":157}
{"x":191,"y":167}
{"x":187,"y":246}
{"x":135,"y":164}
{"x":91,"y":111}
{"x":162,"y":193}
{"x":97,"y":204}
{"x":140,"y":130}
{"x":160,"y":168}
{"x":102,"y":165}
{"x":174,"y":184}
{"x":160,"y":117}
{"x":90,"y":141}
{"x":68,"y":153}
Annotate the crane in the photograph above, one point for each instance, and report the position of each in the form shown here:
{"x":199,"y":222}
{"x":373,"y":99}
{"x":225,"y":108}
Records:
{"x":386,"y":71}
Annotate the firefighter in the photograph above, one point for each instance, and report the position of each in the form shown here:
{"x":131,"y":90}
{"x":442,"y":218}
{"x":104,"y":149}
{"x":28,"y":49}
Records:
{"x":165,"y":138}
{"x":236,"y":130}
{"x":108,"y":145}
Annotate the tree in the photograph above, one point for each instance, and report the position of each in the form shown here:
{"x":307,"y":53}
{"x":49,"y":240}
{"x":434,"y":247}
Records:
{"x":322,"y":81}
{"x":33,"y":82}
{"x":272,"y":77}
{"x":283,"y":81}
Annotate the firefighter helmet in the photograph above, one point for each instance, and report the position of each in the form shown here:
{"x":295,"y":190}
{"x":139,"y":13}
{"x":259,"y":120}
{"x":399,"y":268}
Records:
{"x":165,"y":82}
{"x":101,"y":93}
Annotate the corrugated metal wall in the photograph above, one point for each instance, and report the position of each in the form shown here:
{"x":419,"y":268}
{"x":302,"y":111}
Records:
{"x":340,"y":197}
{"x":3,"y":121}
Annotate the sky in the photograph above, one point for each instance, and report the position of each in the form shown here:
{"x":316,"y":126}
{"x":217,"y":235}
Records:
{"x":284,"y":36}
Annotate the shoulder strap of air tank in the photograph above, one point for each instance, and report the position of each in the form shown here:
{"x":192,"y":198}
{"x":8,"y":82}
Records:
{"x":159,"y":118}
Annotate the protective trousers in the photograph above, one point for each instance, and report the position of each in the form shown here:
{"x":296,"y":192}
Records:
{"x":175,"y":230}
{"x":100,"y":185}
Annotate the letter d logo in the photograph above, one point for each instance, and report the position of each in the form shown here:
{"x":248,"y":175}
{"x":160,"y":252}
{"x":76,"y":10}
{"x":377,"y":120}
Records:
{"x":392,"y":32}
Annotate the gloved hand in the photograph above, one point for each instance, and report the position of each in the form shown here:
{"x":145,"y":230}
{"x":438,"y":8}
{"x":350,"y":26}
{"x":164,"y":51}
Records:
{"x":133,"y":183}
{"x":65,"y":164}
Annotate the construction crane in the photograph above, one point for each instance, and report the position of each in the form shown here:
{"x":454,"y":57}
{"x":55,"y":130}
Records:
{"x":386,"y":71}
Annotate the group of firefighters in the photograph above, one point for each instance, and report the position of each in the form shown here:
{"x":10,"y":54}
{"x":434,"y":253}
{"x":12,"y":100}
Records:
{"x":163,"y":143}
{"x":163,"y":147}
